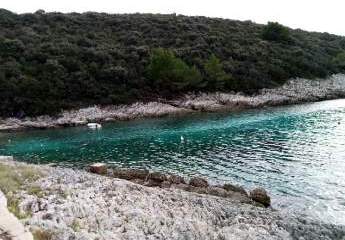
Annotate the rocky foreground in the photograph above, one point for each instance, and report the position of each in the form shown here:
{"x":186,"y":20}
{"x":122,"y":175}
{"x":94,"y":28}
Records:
{"x":75,"y":204}
{"x":294,"y":91}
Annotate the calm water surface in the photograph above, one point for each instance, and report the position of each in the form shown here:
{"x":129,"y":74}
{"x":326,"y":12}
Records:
{"x":297,"y":152}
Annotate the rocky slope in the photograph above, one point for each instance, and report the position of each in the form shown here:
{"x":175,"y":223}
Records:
{"x":75,"y":204}
{"x":294,"y":91}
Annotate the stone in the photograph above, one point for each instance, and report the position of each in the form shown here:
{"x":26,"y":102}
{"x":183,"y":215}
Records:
{"x":10,"y":226}
{"x":165,"y":184}
{"x":260,"y":195}
{"x":138,"y":181}
{"x":131,"y":174}
{"x":174,"y":179}
{"x":98,"y":168}
{"x":217,"y":191}
{"x":157,"y":176}
{"x":234,"y":188}
{"x":198,"y":182}
{"x":181,"y":186}
{"x":152,"y":183}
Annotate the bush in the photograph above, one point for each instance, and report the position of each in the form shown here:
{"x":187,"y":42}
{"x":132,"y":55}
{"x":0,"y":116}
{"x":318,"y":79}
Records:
{"x":169,"y":72}
{"x":217,"y":79}
{"x":274,"y":31}
{"x":339,"y":60}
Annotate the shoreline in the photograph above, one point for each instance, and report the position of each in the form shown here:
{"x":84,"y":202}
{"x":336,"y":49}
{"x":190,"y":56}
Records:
{"x":293,"y":92}
{"x":63,"y":203}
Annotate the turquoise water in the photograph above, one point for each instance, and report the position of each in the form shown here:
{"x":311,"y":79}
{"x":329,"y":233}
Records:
{"x":296,"y":152}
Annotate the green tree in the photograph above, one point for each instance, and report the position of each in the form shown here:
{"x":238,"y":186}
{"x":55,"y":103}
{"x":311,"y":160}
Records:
{"x":274,"y":31}
{"x":339,"y":60}
{"x":216,"y":77}
{"x":172,"y":73}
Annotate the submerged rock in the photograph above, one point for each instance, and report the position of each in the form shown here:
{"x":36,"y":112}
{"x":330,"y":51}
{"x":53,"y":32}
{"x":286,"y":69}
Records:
{"x":260,"y":195}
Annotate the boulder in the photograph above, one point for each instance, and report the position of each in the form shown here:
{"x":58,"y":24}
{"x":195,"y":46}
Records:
{"x":234,"y":188}
{"x":138,"y":181}
{"x":198,"y":182}
{"x":260,"y":195}
{"x":174,"y":179}
{"x":152,"y":183}
{"x":131,"y":174}
{"x":217,"y":191}
{"x":181,"y":186}
{"x":158,"y":177}
{"x":98,"y":168}
{"x":165,"y":184}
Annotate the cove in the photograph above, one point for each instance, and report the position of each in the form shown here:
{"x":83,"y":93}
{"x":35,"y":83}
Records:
{"x":296,"y":152}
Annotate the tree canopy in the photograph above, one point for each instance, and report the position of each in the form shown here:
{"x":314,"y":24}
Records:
{"x":54,"y":61}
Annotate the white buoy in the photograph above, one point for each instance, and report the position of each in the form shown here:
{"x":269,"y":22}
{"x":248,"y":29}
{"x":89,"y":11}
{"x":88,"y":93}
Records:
{"x":182,"y":139}
{"x":94,"y":125}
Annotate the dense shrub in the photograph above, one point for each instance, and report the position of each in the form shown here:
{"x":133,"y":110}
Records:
{"x":50,"y":61}
{"x":339,"y":60}
{"x":274,"y":31}
{"x":216,"y":78}
{"x":171,"y":73}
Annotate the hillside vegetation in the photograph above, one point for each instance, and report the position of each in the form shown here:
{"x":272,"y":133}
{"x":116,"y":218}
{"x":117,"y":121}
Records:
{"x":54,"y":61}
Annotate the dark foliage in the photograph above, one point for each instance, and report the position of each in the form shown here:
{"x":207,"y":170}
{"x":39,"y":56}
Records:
{"x":274,"y":31}
{"x":50,"y":61}
{"x":171,"y":74}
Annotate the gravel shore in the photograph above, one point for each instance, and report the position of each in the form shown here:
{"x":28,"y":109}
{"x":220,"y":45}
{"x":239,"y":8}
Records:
{"x":75,"y":204}
{"x":294,"y":91}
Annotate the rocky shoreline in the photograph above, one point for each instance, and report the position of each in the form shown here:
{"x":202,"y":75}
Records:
{"x":74,"y":204}
{"x":293,"y":92}
{"x":257,"y":197}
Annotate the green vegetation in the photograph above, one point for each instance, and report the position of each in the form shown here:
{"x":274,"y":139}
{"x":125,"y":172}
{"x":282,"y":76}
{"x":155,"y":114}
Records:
{"x":42,"y":234}
{"x":171,"y":74}
{"x":339,"y":60}
{"x":274,"y":31}
{"x":13,"y":179}
{"x":216,"y":77}
{"x":54,"y":61}
{"x":76,"y":225}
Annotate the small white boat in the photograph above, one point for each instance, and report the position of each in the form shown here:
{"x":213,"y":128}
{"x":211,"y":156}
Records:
{"x":94,"y":125}
{"x":6,"y":158}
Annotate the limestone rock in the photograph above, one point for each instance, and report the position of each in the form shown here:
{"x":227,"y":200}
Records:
{"x":152,"y":183}
{"x":98,"y":168}
{"x":10,"y":226}
{"x":260,"y":195}
{"x":165,"y":184}
{"x":217,"y":191}
{"x":131,"y":174}
{"x":234,"y":188}
{"x":157,"y":176}
{"x":175,"y":179}
{"x":198,"y":182}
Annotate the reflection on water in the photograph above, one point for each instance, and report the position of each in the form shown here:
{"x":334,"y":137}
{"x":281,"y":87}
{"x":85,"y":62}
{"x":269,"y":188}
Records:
{"x":296,"y":152}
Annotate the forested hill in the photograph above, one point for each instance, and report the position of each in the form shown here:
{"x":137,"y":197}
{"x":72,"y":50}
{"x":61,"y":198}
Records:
{"x":50,"y":61}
